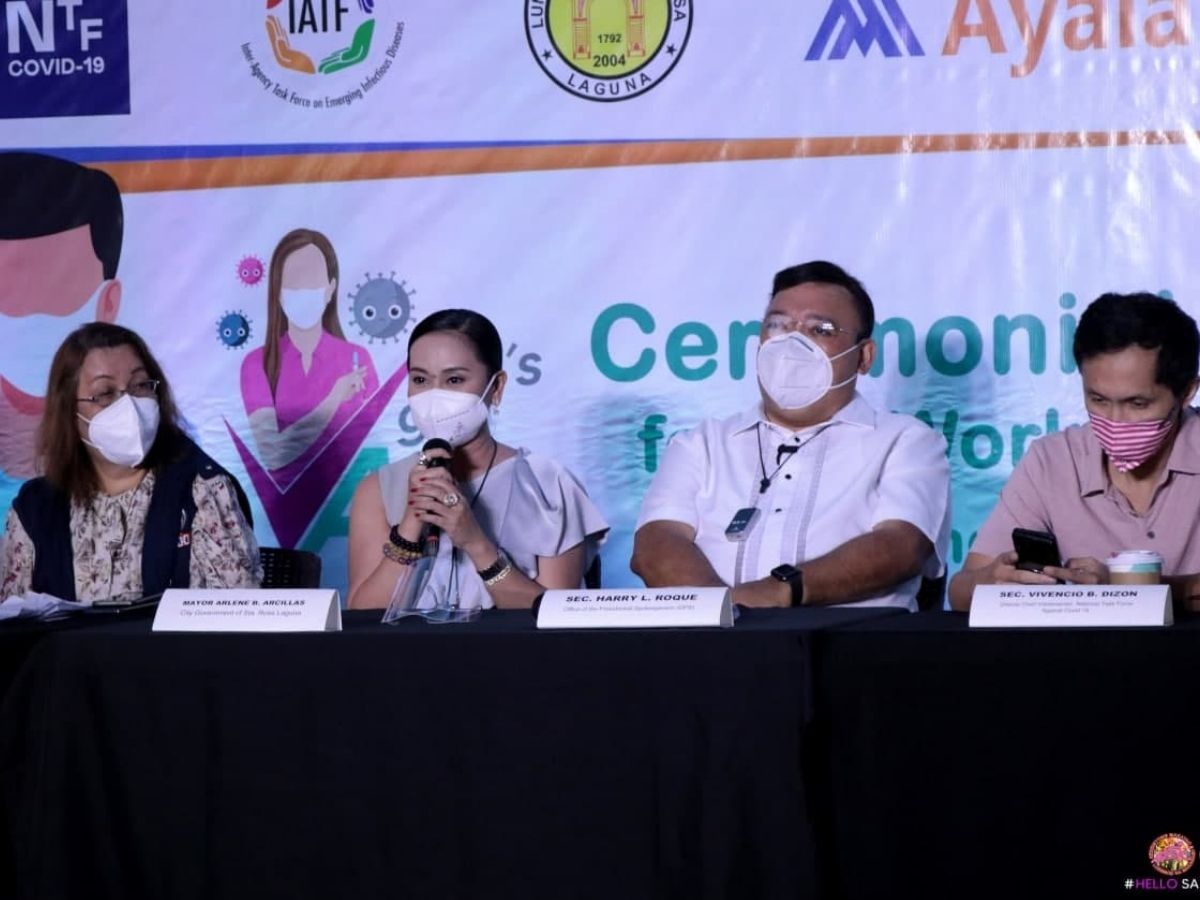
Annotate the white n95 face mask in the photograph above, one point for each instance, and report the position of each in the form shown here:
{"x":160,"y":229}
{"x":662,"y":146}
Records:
{"x":453,"y":416}
{"x":303,"y":306}
{"x":795,"y":372}
{"x":124,"y":432}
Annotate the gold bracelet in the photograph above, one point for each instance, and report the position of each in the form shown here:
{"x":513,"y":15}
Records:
{"x":496,"y":579}
{"x":497,"y":571}
{"x":400,"y":554}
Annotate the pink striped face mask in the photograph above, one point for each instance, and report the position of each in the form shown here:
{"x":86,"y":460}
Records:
{"x":1129,"y":444}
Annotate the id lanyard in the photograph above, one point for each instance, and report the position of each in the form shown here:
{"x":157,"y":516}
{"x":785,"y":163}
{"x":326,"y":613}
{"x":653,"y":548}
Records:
{"x":743,"y":520}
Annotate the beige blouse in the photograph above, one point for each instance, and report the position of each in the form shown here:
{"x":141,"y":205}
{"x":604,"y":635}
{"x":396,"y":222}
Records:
{"x":107,"y":534}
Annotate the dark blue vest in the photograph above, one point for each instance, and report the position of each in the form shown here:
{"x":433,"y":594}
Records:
{"x":45,"y":514}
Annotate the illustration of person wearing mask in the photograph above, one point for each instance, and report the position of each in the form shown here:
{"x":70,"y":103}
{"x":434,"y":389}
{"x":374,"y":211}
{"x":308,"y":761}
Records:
{"x":61,"y":227}
{"x":306,"y":381}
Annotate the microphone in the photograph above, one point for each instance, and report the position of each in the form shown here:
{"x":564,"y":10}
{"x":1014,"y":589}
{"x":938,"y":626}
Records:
{"x":784,"y":450}
{"x":431,"y":535}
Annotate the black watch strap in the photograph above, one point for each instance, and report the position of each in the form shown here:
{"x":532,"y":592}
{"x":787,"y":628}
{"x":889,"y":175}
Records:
{"x":794,"y":578}
{"x":495,"y":568}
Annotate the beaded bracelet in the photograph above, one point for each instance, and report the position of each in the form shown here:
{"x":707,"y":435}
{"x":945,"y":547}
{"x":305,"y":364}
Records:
{"x":400,"y":555}
{"x":402,"y":542}
{"x":497,"y":571}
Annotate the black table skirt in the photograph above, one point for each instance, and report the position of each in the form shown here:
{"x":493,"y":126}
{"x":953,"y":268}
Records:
{"x":810,"y":753}
{"x":480,"y":760}
{"x":1002,"y":763}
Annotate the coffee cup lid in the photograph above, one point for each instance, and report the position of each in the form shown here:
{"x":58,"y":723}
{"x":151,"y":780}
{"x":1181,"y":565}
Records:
{"x":1135,"y":557}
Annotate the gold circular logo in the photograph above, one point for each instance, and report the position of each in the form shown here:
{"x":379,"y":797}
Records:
{"x":607,"y":49}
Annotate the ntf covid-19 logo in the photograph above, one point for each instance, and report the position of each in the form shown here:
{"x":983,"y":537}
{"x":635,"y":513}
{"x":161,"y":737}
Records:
{"x":64,"y":58}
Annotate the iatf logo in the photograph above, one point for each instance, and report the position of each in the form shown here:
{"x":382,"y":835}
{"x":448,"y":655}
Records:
{"x":1172,"y":854}
{"x":608,"y":49}
{"x":309,"y":40}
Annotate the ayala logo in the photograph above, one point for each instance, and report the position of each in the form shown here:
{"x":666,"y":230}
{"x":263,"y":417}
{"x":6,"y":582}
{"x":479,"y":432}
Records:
{"x":871,"y":28}
{"x":1019,"y":29}
{"x":1089,"y":26}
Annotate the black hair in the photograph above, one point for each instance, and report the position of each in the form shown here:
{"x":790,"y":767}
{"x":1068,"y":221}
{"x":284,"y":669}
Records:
{"x":1113,"y":322}
{"x":475,"y":327}
{"x":821,"y":272}
{"x":47,"y":195}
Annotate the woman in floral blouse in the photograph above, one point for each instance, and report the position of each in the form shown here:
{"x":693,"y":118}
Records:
{"x":128,"y":505}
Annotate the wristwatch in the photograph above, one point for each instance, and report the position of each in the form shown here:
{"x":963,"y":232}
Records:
{"x":792,"y":577}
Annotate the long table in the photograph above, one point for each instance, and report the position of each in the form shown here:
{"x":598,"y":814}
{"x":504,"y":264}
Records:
{"x":478,"y":760}
{"x":804,"y":753}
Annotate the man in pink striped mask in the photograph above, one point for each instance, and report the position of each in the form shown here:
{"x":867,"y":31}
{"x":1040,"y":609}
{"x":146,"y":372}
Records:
{"x":1129,"y":479}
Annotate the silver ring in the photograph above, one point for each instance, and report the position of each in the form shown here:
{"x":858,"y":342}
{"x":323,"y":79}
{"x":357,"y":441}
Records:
{"x":422,"y":459}
{"x":450,"y":499}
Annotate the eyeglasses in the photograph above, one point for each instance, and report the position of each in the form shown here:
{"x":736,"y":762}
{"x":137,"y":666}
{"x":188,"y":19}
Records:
{"x":141,"y":389}
{"x":814,"y":327}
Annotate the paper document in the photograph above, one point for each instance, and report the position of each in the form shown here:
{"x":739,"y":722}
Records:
{"x":37,"y":606}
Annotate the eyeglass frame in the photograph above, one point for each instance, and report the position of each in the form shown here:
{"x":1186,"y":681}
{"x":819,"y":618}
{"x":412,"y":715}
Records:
{"x":118,"y":393}
{"x":804,"y":326}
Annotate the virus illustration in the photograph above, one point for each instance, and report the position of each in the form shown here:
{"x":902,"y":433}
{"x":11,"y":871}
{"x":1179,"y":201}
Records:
{"x":382,"y":308}
{"x":233,"y":329}
{"x":250,"y":270}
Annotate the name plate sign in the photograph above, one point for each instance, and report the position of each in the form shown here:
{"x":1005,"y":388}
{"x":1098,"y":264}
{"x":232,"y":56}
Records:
{"x":249,"y":609}
{"x":1071,"y":606}
{"x":679,"y":607}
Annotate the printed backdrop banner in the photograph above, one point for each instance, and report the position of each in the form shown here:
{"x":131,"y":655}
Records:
{"x":613,"y":183}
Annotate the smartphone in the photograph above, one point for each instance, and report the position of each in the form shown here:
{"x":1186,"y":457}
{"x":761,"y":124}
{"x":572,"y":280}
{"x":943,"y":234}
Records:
{"x":1035,"y":549}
